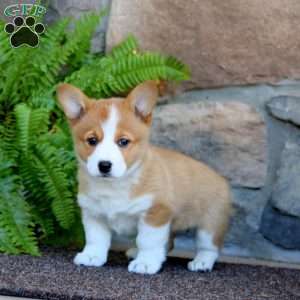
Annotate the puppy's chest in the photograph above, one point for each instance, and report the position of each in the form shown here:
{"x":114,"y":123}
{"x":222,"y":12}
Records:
{"x":115,"y":203}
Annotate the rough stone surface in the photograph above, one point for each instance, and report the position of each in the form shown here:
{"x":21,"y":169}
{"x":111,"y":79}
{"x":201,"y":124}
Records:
{"x":231,"y":137}
{"x":286,"y":108}
{"x":76,"y":8}
{"x":281,"y":229}
{"x":286,"y":193}
{"x":224,"y":42}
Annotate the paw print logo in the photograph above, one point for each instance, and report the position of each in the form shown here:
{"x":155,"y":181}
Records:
{"x":24,"y":32}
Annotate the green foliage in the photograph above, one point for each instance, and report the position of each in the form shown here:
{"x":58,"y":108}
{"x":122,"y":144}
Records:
{"x":37,"y":163}
{"x":16,"y":234}
{"x":124,"y":68}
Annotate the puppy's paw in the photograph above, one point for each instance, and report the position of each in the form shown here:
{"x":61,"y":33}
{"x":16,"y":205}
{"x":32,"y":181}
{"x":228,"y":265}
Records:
{"x":132,"y":253}
{"x":203,"y":261}
{"x":144,"y":266}
{"x":88,"y":258}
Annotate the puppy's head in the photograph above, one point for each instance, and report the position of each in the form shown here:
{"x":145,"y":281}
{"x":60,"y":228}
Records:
{"x":110,"y":136}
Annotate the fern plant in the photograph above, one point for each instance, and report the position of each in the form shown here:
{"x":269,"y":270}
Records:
{"x":37,"y":162}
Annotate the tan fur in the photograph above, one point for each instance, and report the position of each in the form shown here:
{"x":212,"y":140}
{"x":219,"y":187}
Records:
{"x":195,"y":194}
{"x":186,"y":192}
{"x":158,"y":215}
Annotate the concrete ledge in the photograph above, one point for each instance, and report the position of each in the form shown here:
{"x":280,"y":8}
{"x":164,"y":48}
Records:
{"x":184,"y":249}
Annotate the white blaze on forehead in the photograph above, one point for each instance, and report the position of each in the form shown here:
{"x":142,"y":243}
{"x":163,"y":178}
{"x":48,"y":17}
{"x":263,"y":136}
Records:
{"x":107,"y":149}
{"x":109,"y":128}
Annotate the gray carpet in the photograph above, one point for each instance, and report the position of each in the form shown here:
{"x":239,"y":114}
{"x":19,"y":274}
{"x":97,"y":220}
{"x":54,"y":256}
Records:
{"x":54,"y":276}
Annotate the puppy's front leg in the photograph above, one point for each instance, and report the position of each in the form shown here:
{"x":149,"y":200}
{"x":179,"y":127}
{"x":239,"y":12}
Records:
{"x":152,"y":247}
{"x":97,"y":241}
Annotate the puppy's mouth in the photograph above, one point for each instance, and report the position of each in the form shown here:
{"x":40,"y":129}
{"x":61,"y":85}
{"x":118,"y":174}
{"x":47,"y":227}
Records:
{"x":105,"y":175}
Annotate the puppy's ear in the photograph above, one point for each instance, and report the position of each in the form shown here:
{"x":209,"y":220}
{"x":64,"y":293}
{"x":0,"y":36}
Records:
{"x":142,"y":99}
{"x":73,"y":100}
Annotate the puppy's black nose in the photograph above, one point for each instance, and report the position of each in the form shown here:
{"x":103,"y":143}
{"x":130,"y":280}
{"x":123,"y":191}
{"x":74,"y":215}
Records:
{"x":104,"y":166}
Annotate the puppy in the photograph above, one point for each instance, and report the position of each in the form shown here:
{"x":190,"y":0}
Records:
{"x":127,"y":185}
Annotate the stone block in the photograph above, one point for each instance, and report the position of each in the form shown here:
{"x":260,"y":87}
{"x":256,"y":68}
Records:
{"x":230,"y":137}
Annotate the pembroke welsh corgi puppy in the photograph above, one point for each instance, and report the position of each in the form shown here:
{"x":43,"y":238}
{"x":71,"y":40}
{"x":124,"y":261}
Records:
{"x":127,"y":185}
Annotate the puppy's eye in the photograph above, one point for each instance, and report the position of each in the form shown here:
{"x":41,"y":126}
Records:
{"x":92,"y":141}
{"x":123,"y":142}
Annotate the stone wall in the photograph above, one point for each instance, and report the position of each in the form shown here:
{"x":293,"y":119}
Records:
{"x":225,"y":42}
{"x":249,"y":133}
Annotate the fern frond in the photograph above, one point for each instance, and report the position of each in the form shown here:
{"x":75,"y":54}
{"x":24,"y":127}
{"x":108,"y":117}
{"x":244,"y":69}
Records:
{"x":6,"y":244}
{"x":44,"y":220}
{"x":15,"y":66}
{"x":5,"y":50}
{"x":29,"y":123}
{"x":15,"y":219}
{"x":124,"y":68}
{"x":56,"y":184}
{"x":47,"y":68}
{"x":129,"y":72}
{"x":44,"y":100}
{"x":7,"y":136}
{"x":126,"y":47}
{"x":79,"y":40}
{"x":16,"y":234}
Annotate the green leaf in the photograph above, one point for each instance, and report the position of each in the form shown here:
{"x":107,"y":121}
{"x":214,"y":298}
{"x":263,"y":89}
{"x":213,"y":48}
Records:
{"x":29,"y":123}
{"x":56,"y":184}
{"x":16,"y":231}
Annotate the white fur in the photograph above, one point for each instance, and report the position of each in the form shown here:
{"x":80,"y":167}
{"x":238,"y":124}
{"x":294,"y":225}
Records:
{"x":107,"y":149}
{"x":106,"y":206}
{"x":110,"y":196}
{"x":207,"y":252}
{"x":120,"y":213}
{"x":151,"y":248}
{"x":98,"y":238}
